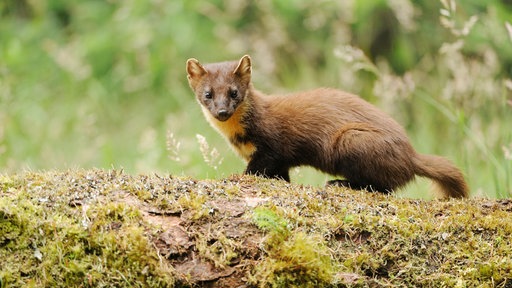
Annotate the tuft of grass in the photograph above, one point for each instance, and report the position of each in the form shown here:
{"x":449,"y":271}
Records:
{"x":210,"y":155}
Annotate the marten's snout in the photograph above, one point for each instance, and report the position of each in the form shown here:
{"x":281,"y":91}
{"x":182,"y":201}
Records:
{"x":223,"y":115}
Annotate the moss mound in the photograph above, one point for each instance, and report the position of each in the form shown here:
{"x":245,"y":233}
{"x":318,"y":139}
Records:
{"x":100,"y":228}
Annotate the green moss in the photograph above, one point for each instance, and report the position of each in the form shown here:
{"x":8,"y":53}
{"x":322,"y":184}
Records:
{"x":292,"y":259}
{"x":221,"y":250}
{"x":93,"y":228}
{"x":268,"y":220}
{"x":5,"y":183}
{"x":105,"y":246}
{"x":300,"y":261}
{"x":194,"y":203}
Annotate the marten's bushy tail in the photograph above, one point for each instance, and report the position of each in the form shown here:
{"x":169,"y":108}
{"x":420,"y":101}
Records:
{"x":448,"y":177}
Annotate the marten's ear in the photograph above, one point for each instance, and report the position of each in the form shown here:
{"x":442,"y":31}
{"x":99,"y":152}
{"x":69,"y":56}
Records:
{"x":195,"y":71}
{"x":243,"y":70}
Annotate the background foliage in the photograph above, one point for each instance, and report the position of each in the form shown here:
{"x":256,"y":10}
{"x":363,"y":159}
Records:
{"x":102,"y":83}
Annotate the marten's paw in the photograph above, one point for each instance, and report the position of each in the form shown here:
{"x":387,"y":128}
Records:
{"x":348,"y":184}
{"x":338,"y":183}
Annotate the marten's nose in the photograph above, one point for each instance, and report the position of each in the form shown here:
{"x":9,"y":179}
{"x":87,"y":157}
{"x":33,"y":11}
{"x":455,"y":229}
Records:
{"x":223,"y":114}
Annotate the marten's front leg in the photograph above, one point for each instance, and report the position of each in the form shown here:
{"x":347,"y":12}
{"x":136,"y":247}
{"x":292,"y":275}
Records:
{"x":267,"y":167}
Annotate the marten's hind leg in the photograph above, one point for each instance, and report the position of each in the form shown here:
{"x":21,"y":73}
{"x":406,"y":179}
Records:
{"x":369,"y":158}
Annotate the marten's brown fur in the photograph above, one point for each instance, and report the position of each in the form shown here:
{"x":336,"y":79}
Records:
{"x":333,"y":131}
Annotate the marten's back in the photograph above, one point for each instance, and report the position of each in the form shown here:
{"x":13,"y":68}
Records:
{"x":323,"y":112}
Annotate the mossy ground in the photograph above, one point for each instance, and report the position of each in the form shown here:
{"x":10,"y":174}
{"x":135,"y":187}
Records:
{"x":100,"y":228}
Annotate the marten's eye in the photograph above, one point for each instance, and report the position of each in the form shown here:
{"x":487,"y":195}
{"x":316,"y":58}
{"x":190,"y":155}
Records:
{"x":233,"y":94}
{"x":208,"y":94}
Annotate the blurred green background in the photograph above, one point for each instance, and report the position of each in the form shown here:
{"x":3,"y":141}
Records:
{"x":102,"y":83}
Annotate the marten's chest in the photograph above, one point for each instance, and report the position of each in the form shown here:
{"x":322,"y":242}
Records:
{"x":233,"y":130}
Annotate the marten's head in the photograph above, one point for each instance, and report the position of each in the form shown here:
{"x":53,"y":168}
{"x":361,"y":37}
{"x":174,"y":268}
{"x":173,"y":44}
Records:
{"x":220,"y":87}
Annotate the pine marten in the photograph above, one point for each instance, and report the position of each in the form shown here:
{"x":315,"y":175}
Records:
{"x":333,"y":131}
